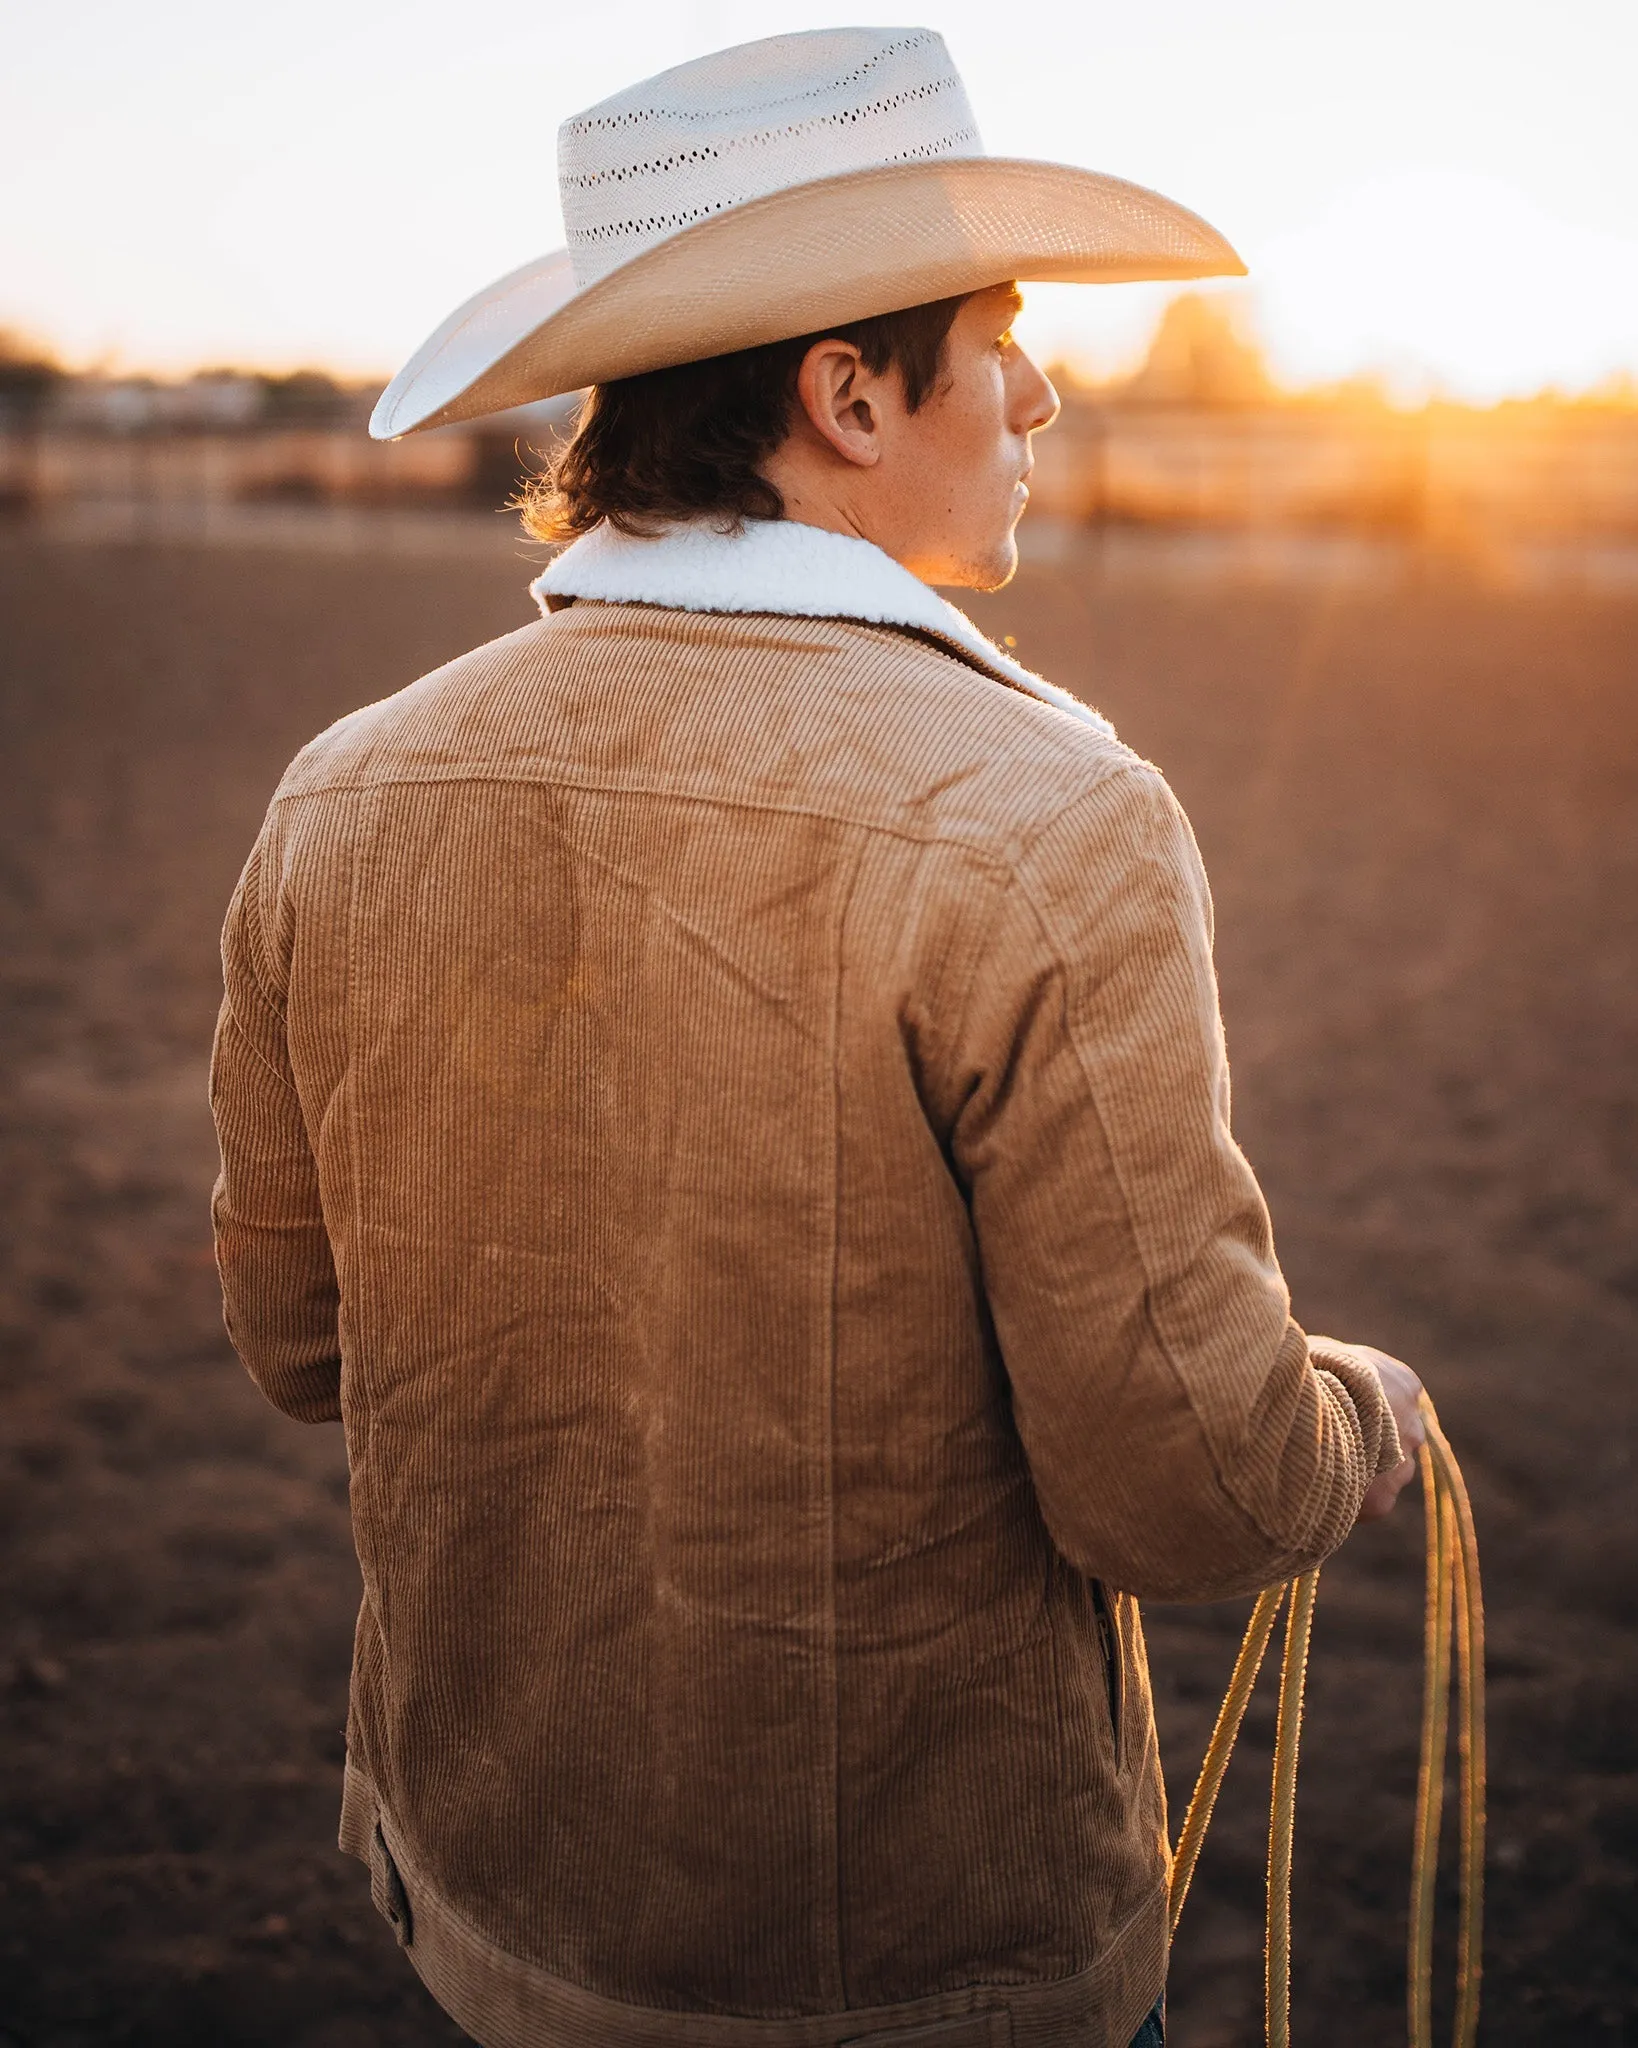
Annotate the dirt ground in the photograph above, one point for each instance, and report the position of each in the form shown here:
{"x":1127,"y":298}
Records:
{"x":1417,"y":802}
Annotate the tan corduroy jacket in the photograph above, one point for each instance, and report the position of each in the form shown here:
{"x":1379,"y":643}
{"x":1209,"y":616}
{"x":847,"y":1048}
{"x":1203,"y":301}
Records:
{"x":730,"y":1112}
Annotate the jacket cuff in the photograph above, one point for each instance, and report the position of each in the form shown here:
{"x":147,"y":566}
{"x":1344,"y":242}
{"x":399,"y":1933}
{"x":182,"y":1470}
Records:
{"x":1359,"y":1381}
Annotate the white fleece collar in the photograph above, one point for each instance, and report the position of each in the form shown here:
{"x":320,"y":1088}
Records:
{"x":779,"y":566}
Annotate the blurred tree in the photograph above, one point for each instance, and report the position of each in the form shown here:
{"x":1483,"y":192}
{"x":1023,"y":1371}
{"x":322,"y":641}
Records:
{"x":28,"y":378}
{"x":1200,"y":357}
{"x":1617,"y":393}
{"x":308,"y":398}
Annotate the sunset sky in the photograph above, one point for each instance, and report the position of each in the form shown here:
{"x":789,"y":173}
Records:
{"x":1440,"y":191}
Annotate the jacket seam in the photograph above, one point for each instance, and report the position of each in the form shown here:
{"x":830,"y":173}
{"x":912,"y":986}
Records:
{"x":833,"y":1675}
{"x":980,"y":947}
{"x":250,"y":953}
{"x":249,"y":1042}
{"x":941,"y":636}
{"x":1139,"y":774}
{"x":1128,"y":1213}
{"x":254,"y":885}
{"x":358,"y":1455}
{"x":359,"y":785}
{"x":1071,"y":1865}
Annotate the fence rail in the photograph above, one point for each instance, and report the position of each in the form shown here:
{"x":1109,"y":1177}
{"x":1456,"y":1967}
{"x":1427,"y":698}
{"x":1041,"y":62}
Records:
{"x":1440,"y":475}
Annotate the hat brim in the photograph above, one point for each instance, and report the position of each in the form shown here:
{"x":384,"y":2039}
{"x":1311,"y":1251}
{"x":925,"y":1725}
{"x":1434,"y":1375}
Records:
{"x":794,"y":261}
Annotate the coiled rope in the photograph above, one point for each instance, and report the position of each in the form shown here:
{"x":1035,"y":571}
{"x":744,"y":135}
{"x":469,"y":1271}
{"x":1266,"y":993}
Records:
{"x":1455,"y":1608}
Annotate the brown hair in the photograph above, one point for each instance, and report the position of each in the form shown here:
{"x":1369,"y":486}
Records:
{"x":688,"y":442}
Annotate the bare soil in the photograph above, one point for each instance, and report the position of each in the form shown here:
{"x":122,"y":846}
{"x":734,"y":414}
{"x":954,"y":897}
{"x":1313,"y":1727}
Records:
{"x":1419,"y":805}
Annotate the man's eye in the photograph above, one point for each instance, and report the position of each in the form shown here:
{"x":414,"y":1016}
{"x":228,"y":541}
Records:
{"x":1006,"y":341}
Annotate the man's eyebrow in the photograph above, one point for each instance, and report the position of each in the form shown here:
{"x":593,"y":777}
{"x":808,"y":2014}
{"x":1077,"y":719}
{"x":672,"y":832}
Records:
{"x":1014,"y":300}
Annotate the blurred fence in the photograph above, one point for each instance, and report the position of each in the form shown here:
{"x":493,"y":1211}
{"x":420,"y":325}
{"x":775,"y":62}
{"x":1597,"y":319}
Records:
{"x":1443,"y":473}
{"x":1445,"y":476}
{"x":48,"y":469}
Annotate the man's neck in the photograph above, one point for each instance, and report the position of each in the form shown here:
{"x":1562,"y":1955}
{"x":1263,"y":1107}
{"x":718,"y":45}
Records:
{"x":837,"y":498}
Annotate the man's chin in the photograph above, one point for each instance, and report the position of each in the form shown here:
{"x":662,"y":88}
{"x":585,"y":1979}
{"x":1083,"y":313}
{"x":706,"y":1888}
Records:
{"x":999,"y":570}
{"x":992,"y":570}
{"x":1003,"y":575}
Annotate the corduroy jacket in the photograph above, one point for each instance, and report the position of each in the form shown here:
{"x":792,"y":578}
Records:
{"x":730,"y":1112}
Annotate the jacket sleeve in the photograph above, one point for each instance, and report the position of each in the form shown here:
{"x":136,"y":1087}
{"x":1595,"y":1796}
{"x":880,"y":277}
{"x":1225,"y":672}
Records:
{"x":1185,"y":1439}
{"x":279,"y":1287}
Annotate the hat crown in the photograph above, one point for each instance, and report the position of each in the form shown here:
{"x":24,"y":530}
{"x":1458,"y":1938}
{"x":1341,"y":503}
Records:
{"x":636,"y":169}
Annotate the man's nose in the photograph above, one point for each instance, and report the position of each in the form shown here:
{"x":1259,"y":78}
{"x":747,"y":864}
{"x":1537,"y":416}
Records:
{"x":1037,"y":402}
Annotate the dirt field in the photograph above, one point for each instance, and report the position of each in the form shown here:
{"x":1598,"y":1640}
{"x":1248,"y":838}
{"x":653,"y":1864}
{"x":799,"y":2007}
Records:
{"x":1418,"y":807}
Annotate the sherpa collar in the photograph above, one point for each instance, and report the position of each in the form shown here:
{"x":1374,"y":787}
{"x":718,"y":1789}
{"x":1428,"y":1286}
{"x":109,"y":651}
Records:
{"x":779,"y":566}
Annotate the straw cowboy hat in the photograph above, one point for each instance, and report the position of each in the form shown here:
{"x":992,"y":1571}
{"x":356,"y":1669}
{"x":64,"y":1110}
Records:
{"x":767,"y":191}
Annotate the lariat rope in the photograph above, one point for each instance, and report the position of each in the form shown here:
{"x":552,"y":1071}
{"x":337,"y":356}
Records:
{"x":1455,"y":1609}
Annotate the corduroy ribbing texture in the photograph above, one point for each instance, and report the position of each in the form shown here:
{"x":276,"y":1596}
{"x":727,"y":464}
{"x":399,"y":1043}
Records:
{"x":731,"y":1113}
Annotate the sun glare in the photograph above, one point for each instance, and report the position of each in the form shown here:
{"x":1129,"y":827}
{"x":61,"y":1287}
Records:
{"x":1439,"y":195}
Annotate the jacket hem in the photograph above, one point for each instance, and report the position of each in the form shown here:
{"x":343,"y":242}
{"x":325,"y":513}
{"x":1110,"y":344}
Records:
{"x":503,"y":2001}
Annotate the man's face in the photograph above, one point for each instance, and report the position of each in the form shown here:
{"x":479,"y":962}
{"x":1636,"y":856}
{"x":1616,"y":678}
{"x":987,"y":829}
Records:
{"x":939,"y":489}
{"x":953,"y":473}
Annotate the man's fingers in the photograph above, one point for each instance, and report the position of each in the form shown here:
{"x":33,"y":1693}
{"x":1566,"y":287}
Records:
{"x":1402,"y":1390}
{"x":1384,"y":1491}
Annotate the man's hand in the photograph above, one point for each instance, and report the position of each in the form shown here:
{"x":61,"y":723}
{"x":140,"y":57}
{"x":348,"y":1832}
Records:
{"x":1403,"y":1389}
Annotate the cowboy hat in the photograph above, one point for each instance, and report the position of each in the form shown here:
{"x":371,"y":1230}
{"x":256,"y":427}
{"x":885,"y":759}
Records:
{"x":770,"y":190}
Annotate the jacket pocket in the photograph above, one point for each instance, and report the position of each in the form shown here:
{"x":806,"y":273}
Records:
{"x":1114,"y":1673}
{"x":387,"y":1890}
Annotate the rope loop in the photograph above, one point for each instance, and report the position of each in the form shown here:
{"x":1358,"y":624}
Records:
{"x":1454,"y":1615}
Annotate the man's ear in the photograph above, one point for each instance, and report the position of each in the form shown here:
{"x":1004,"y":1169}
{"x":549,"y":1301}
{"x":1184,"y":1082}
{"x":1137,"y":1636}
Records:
{"x":841,"y":398}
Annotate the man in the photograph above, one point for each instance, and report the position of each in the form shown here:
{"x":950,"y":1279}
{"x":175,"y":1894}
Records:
{"x":721,"y":1091}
